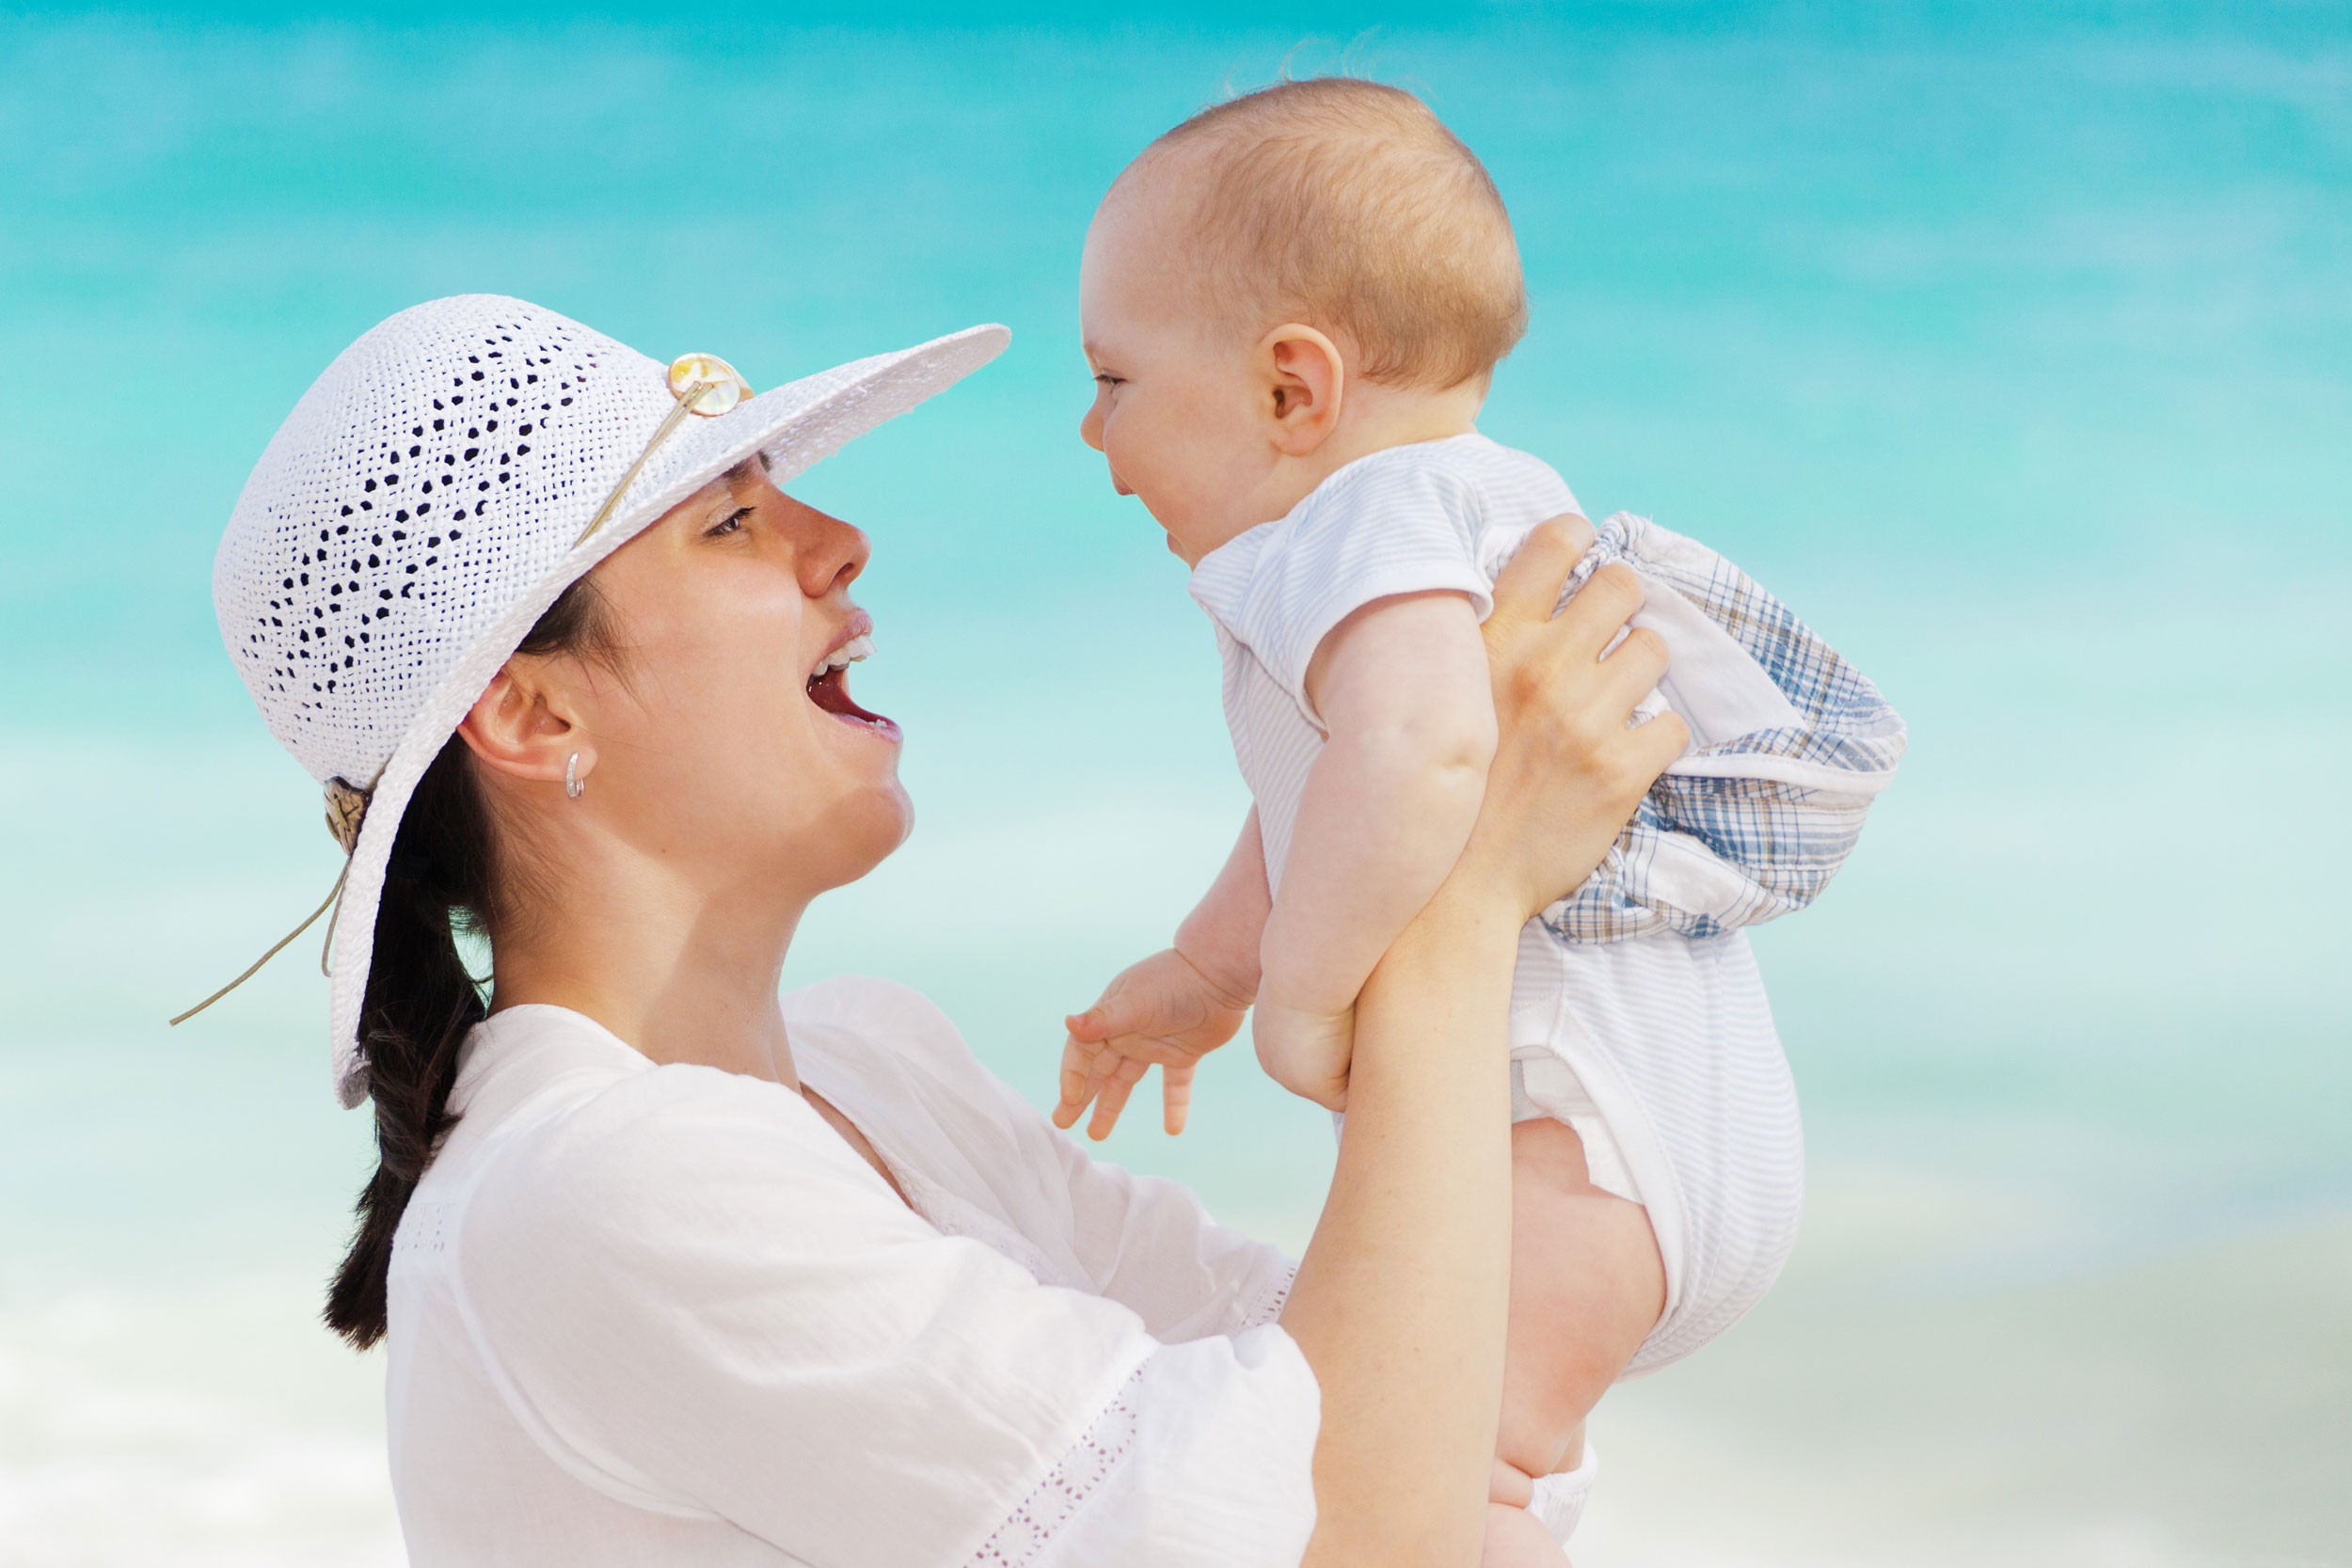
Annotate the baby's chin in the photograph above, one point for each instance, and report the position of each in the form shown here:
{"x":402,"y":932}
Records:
{"x":1189,"y":554}
{"x":1190,"y":534}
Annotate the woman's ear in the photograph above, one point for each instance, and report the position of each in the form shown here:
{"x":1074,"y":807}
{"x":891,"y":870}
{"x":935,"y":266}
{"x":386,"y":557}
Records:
{"x":524,"y":725}
{"x":1306,"y":383}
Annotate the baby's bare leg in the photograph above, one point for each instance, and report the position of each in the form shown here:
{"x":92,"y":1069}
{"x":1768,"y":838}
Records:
{"x":1586,"y":1287}
{"x":1515,"y":1539}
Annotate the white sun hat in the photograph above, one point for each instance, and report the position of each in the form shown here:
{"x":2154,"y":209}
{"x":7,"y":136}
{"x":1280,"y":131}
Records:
{"x":433,"y":492}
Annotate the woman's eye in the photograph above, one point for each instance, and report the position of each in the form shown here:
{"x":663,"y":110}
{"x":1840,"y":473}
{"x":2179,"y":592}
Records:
{"x":732,"y":522}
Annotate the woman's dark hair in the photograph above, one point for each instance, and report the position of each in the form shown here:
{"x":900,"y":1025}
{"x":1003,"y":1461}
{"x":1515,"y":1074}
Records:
{"x":422,"y":1000}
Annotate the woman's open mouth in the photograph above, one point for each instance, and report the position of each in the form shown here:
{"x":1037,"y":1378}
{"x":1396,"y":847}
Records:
{"x":829,"y":687}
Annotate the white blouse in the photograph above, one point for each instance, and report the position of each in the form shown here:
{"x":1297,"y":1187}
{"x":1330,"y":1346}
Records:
{"x":647,"y":1314}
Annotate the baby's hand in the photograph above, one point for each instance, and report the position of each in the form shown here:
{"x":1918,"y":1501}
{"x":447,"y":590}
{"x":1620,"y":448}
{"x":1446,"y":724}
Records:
{"x":1307,"y":1052}
{"x":1163,"y":1009}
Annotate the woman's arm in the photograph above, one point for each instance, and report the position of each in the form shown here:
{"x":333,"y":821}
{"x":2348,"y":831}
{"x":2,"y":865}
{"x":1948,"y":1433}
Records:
{"x":1399,"y":1304}
{"x":697,"y":1299}
{"x":1400,"y":1300}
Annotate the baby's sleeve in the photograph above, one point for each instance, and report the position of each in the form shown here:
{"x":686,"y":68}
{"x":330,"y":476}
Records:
{"x":1374,"y":532}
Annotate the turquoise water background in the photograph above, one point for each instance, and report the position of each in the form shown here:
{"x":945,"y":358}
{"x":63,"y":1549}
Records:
{"x":2015,"y":350}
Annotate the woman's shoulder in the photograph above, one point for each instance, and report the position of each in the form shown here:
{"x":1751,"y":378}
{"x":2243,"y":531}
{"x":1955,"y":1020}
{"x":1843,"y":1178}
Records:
{"x":593,"y":1143}
{"x":548,"y":1074}
{"x":877,"y":1028}
{"x":869,"y":1006}
{"x":893,"y":1062}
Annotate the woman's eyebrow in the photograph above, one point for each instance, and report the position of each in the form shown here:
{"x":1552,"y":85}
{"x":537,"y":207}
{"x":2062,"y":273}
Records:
{"x":724,"y":493}
{"x":715,"y":498}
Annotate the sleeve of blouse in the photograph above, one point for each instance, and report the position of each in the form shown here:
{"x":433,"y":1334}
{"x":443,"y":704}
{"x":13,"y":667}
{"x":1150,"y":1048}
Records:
{"x":697,"y":1300}
{"x":1144,"y":1240}
{"x":1147,"y":1242}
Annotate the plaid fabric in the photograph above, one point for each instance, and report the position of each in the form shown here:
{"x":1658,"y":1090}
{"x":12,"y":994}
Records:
{"x":1744,"y":831}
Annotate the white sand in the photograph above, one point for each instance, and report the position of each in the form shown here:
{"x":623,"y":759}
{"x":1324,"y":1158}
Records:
{"x":2193,"y":1410}
{"x":2186,"y":1412}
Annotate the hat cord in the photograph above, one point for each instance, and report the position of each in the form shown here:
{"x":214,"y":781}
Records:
{"x":687,"y":397}
{"x":333,"y":898}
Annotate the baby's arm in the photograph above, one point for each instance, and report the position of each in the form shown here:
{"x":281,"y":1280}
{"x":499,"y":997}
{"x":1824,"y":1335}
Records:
{"x":1173,"y":1007}
{"x":1221,"y":936}
{"x":1403,"y":691}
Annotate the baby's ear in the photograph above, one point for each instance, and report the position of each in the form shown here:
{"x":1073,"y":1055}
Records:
{"x":1306,"y":381}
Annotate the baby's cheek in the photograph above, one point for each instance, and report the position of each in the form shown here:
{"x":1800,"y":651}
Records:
{"x":1159,"y":445}
{"x":1131,"y":458}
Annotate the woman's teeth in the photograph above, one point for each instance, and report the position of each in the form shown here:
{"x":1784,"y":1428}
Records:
{"x":847,"y":653}
{"x":829,"y":687}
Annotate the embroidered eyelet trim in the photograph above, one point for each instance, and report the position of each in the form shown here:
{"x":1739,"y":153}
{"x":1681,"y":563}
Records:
{"x":1268,"y":1307}
{"x":1087,"y":1466}
{"x":423,"y":1226}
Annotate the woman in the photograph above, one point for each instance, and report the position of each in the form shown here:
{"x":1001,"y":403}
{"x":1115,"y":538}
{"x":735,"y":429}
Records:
{"x":672,"y":1270}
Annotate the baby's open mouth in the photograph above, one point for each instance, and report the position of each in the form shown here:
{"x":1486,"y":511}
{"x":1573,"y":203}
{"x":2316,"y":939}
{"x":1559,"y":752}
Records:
{"x":829,"y":687}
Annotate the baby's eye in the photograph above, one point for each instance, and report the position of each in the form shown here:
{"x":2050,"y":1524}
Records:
{"x":1107,"y":379}
{"x":731,"y":523}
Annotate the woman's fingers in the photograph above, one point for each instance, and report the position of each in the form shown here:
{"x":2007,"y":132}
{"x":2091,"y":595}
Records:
{"x":1631,"y":669}
{"x":1579,"y":529}
{"x":1658,"y":743}
{"x":1528,"y":588}
{"x":1569,"y":766}
{"x":1605,"y":603}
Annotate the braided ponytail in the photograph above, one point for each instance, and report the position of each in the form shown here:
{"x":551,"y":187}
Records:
{"x":422,"y":1001}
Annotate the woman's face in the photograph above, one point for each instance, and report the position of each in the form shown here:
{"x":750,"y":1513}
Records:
{"x":727,"y":743}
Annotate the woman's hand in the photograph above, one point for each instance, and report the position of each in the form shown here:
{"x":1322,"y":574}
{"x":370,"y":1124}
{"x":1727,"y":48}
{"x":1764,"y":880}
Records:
{"x":1569,"y":768}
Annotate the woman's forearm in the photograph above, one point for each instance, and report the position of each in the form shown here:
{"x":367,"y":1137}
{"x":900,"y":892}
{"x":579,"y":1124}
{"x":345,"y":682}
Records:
{"x":1400,"y":1301}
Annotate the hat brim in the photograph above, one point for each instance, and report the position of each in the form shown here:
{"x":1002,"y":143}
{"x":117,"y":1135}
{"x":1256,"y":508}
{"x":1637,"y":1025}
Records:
{"x":795,"y":426}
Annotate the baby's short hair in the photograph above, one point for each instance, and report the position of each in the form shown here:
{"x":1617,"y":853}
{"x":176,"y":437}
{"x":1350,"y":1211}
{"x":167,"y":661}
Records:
{"x":1349,"y":204}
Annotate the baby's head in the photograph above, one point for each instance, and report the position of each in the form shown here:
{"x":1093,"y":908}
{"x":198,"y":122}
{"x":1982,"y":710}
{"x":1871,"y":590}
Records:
{"x":1282,"y":284}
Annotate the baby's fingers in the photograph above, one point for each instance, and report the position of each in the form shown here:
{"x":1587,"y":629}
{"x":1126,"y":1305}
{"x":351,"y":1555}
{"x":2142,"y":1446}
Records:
{"x":1175,"y":1097}
{"x":1118,"y":1011}
{"x":1111,"y":1094}
{"x":1078,"y":1059}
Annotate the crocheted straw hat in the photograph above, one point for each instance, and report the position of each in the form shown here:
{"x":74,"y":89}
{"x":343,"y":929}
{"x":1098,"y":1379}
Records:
{"x":434,"y":491}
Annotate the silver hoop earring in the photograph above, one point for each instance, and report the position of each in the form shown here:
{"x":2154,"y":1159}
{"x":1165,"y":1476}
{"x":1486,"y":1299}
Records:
{"x":572,"y":784}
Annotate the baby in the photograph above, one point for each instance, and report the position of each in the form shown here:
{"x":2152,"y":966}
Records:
{"x":1293,"y":304}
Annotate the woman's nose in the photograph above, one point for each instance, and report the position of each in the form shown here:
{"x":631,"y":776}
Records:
{"x":830,"y":553}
